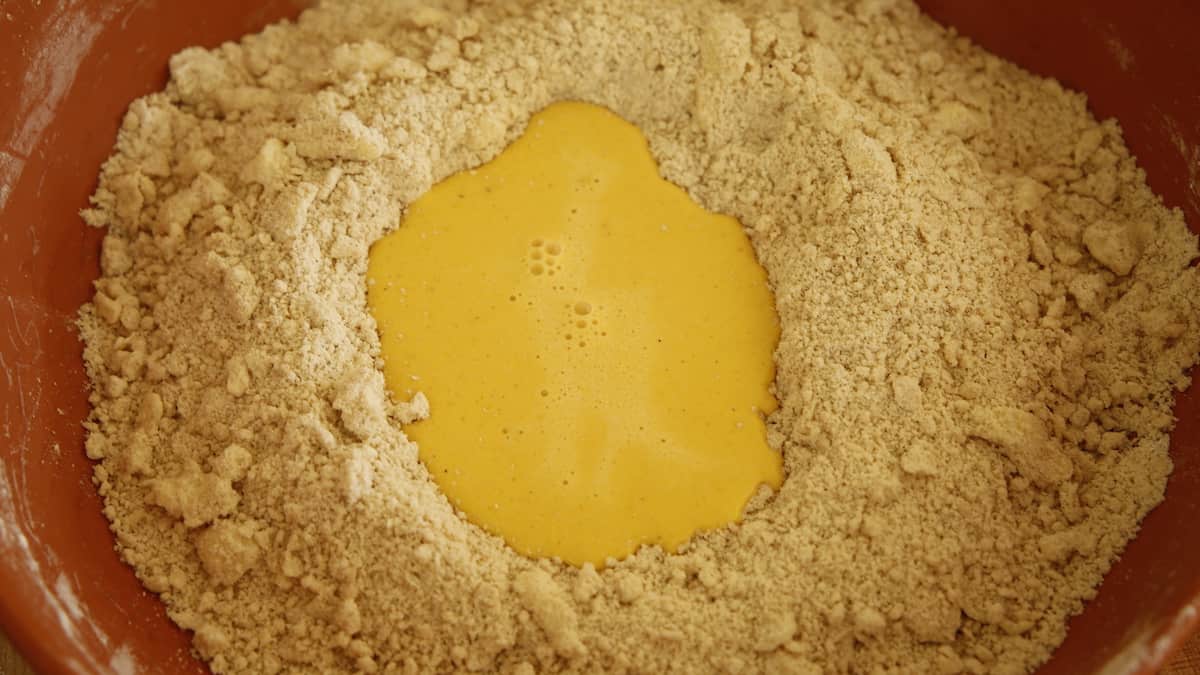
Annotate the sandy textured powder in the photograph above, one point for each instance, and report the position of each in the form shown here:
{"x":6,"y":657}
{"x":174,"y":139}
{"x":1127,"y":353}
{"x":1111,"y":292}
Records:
{"x":985,"y":313}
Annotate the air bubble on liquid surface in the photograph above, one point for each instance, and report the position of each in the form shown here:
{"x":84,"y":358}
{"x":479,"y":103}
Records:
{"x":536,"y":254}
{"x":583,"y":308}
{"x":537,"y":269}
{"x":553,"y":248}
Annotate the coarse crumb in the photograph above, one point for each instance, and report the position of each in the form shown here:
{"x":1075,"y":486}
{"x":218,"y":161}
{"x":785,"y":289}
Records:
{"x":985,"y":313}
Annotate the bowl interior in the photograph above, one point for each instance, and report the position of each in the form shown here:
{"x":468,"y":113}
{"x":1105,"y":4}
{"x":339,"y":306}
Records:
{"x":67,"y":73}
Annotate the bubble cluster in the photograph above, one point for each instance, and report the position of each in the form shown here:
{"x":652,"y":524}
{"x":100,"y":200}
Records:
{"x":581,"y":321}
{"x":543,"y":257}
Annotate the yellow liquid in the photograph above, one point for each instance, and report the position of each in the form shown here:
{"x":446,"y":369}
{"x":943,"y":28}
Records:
{"x":596,"y":347}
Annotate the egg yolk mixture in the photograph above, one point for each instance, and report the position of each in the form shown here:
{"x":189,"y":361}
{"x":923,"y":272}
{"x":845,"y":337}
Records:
{"x":596,"y":348}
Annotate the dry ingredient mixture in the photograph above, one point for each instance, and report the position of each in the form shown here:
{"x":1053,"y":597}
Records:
{"x":985,"y":313}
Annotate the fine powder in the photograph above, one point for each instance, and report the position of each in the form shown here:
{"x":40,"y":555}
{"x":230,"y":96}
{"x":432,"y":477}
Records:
{"x":985,"y":315}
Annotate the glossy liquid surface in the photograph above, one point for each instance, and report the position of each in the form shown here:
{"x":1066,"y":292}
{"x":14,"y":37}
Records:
{"x":597,"y":349}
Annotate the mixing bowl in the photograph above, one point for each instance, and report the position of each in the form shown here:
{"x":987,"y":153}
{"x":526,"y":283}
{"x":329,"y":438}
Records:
{"x":68,"y":69}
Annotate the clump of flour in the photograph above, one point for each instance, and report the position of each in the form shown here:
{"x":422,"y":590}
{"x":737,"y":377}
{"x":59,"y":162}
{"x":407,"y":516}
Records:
{"x":985,"y":314}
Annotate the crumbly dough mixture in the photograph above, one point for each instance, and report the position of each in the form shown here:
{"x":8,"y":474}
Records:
{"x":985,"y":314}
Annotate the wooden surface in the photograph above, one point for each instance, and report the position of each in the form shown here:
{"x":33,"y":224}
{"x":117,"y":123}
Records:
{"x":1186,"y":663}
{"x":10,"y":663}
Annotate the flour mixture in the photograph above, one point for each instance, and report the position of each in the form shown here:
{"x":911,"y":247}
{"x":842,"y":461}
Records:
{"x":984,"y":316}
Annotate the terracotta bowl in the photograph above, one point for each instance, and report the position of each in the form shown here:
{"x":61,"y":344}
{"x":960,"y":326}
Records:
{"x":69,"y":69}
